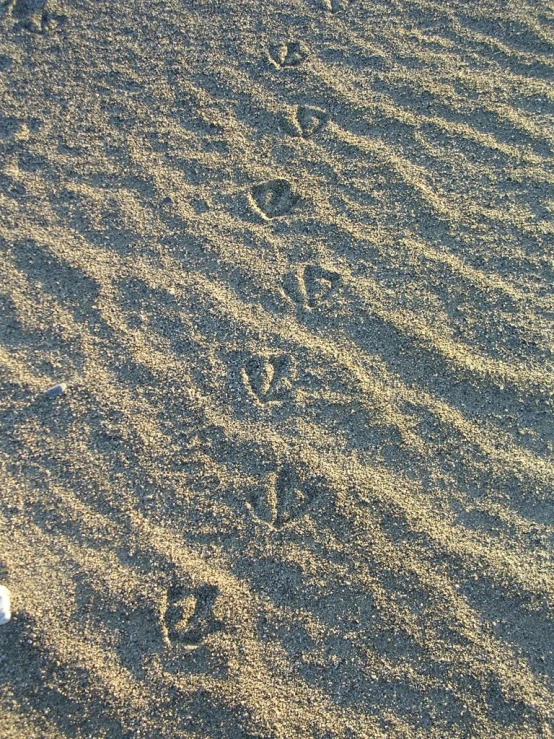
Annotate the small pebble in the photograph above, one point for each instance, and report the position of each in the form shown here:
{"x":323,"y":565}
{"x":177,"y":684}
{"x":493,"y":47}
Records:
{"x":53,"y":392}
{"x":5,"y":612}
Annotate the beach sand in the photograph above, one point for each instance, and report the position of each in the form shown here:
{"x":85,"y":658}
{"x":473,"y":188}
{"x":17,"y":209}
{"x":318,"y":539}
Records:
{"x":294,"y":261}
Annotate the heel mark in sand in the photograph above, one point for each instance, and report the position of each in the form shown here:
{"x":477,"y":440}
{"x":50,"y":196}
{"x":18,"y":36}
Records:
{"x":274,"y":198}
{"x":267,"y":378}
{"x":312,"y":285}
{"x":283,"y":499}
{"x":290,"y":54}
{"x":189,"y":616}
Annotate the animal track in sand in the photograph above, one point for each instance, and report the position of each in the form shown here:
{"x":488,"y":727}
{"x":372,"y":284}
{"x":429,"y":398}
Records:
{"x":189,"y":616}
{"x":9,"y":127}
{"x":335,"y":6}
{"x":267,"y":378}
{"x":283,"y":498}
{"x":312,"y":285}
{"x":37,"y":16}
{"x":274,"y":198}
{"x":290,"y":54}
{"x":306,"y":121}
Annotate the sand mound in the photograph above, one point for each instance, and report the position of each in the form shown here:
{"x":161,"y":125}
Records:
{"x":293,"y":261}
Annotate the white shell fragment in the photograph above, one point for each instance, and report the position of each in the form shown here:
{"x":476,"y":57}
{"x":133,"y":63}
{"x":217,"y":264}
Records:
{"x":5,"y":612}
{"x":53,"y":392}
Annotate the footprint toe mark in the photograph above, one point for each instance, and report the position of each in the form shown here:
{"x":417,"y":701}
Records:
{"x":308,"y":120}
{"x":312,"y":285}
{"x":283,"y":499}
{"x":274,"y":198}
{"x":288,"y":54}
{"x":335,"y":6}
{"x":189,"y":617}
{"x":37,"y":16}
{"x":266,"y":378}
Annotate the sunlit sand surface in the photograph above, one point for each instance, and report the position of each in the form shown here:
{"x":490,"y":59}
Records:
{"x":294,"y":263}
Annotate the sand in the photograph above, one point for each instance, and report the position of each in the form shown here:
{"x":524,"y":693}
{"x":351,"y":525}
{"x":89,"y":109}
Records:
{"x":293,"y":260}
